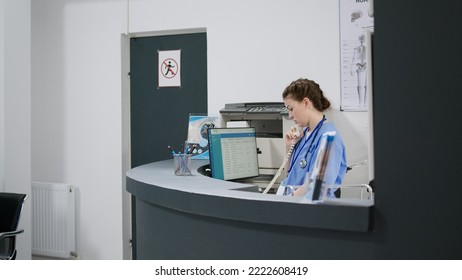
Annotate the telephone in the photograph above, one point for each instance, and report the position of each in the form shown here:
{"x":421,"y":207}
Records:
{"x":297,"y":133}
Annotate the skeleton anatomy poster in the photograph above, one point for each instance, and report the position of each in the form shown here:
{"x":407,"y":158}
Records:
{"x":356,"y":19}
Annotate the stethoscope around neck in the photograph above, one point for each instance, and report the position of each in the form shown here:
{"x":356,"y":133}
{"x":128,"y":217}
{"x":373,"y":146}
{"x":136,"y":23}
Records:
{"x":303,"y":162}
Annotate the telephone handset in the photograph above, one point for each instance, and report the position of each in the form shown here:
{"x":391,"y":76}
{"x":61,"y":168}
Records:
{"x":297,"y":133}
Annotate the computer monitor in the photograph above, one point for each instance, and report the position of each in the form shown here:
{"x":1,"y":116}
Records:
{"x":233,"y":153}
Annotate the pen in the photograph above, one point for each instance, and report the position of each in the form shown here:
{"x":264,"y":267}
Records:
{"x":186,"y":147}
{"x":171,"y":150}
{"x":192,"y":149}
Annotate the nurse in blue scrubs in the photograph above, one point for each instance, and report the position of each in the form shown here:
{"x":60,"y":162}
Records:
{"x":306,"y":104}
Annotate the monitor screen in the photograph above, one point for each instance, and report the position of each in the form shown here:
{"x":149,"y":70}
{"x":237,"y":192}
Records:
{"x":233,"y":153}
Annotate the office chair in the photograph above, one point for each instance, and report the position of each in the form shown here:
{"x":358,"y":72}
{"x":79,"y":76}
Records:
{"x":11,"y":205}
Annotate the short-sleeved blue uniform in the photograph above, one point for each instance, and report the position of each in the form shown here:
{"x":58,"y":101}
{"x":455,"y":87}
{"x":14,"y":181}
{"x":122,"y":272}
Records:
{"x":336,"y":167}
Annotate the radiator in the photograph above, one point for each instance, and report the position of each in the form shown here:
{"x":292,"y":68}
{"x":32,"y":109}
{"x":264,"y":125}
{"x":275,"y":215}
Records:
{"x":53,"y":219}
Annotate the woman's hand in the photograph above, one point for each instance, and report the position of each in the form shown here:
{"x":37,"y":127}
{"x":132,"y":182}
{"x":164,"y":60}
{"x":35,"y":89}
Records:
{"x":295,"y":133}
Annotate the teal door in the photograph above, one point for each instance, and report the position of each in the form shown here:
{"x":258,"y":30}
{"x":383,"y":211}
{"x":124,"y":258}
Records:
{"x":159,"y":115}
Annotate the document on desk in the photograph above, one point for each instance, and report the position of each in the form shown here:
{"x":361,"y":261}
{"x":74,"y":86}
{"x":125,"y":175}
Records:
{"x":198,"y":134}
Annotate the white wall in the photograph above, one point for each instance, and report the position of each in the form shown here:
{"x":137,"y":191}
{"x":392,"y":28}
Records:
{"x":255,"y":48}
{"x":76,"y":114}
{"x":15,"y":108}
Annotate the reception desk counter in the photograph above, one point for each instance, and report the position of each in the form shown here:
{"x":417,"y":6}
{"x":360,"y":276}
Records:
{"x":198,"y":217}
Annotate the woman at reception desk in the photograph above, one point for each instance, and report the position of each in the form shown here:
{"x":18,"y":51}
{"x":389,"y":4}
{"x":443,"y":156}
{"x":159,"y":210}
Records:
{"x":305,"y":102}
{"x":201,"y":217}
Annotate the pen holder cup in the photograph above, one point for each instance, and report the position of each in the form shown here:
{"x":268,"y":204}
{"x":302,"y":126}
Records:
{"x":182,"y":164}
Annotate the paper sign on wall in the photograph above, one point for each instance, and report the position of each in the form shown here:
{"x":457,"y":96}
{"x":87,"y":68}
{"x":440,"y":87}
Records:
{"x":169,"y":68}
{"x":356,"y":17}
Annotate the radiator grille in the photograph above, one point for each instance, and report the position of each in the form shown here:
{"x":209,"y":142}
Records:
{"x":53,"y":219}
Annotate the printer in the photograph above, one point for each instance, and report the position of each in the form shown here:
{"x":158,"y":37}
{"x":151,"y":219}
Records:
{"x":271,"y":121}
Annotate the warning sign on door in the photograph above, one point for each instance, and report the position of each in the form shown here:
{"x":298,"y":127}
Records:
{"x":169,"y":68}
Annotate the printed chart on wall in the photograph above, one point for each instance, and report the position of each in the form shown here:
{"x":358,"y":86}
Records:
{"x":356,"y":18}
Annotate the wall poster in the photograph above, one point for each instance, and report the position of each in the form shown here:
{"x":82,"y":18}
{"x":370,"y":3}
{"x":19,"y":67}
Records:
{"x":169,"y":68}
{"x":356,"y":17}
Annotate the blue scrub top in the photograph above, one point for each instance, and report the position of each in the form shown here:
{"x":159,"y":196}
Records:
{"x":336,"y":167}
